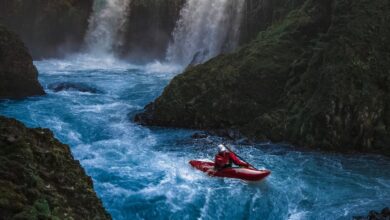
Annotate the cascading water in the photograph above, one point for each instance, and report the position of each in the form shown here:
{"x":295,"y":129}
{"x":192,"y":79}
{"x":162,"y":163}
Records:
{"x":106,"y":26}
{"x":205,"y":29}
{"x":143,"y":173}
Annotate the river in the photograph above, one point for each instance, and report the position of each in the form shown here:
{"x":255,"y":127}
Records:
{"x":143,"y":173}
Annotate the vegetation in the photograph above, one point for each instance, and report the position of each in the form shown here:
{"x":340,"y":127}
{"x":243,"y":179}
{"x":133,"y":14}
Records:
{"x":39,"y":179}
{"x":318,"y":77}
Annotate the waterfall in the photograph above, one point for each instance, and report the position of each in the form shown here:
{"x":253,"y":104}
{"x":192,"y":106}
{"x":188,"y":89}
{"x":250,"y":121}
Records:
{"x":205,"y":29}
{"x":106,"y":26}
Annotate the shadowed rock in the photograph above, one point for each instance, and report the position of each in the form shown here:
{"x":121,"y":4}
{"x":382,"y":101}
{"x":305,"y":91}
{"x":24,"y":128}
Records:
{"x":70,"y":86}
{"x":317,"y":77}
{"x":50,"y":27}
{"x":40,"y":179}
{"x":18,"y":75}
{"x":374,"y":215}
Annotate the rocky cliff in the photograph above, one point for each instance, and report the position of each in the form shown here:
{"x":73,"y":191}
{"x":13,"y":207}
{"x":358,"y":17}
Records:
{"x":48,"y":27}
{"x":151,"y":23}
{"x":39,"y":179}
{"x":149,"y":28}
{"x":18,"y":75}
{"x":318,"y":77}
{"x":259,"y":15}
{"x":54,"y":28}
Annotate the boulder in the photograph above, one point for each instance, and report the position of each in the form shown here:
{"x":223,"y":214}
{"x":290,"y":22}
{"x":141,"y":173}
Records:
{"x":71,"y":86}
{"x":40,"y":179}
{"x":18,"y":75}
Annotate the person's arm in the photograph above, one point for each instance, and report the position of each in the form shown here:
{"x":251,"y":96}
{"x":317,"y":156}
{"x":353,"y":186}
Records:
{"x":237,"y":161}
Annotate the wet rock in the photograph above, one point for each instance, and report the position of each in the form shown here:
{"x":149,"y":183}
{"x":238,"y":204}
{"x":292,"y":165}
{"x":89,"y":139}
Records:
{"x":307,"y":80}
{"x":40,"y":179}
{"x":199,"y":135}
{"x":199,"y":57}
{"x":386,"y":212}
{"x":146,"y":117}
{"x":232,"y":134}
{"x":18,"y":75}
{"x":70,"y":86}
{"x":374,"y":215}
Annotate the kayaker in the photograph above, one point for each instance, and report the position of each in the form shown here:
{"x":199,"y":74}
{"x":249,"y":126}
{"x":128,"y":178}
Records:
{"x":225,"y":159}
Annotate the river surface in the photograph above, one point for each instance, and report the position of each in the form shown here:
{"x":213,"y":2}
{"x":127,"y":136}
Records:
{"x":143,"y":173}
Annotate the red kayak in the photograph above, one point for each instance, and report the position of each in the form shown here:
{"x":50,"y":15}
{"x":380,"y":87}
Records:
{"x":248,"y":174}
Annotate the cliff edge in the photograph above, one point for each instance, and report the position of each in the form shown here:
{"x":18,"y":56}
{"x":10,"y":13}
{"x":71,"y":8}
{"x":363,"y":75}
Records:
{"x":39,"y":178}
{"x":318,"y":77}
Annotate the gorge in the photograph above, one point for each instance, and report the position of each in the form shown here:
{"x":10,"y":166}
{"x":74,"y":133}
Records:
{"x":268,"y":73}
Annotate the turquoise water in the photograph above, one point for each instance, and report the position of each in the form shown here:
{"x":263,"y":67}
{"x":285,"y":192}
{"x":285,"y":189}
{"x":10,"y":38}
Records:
{"x":143,"y":173}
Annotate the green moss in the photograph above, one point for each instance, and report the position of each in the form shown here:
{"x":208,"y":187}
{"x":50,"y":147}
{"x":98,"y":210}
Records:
{"x":39,"y":179}
{"x":42,"y":207}
{"x":318,"y":77}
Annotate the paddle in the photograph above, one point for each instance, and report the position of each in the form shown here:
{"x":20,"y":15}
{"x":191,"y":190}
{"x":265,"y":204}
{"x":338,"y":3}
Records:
{"x":240,"y":157}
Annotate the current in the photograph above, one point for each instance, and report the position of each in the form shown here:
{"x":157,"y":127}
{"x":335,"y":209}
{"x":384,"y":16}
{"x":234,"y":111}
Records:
{"x":143,"y":172}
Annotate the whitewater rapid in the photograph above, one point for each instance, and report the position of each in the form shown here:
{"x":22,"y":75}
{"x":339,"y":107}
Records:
{"x":143,"y":173}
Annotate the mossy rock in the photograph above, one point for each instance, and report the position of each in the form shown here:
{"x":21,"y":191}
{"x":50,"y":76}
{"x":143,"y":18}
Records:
{"x":39,"y":179}
{"x":317,"y":77}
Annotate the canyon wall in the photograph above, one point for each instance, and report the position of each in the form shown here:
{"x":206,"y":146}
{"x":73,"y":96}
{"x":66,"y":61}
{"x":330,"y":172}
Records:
{"x":40,"y":179}
{"x":149,"y":28}
{"x":59,"y":27}
{"x":49,"y":28}
{"x":318,"y":77}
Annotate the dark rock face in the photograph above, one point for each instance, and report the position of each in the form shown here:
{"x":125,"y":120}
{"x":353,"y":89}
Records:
{"x":199,"y":135}
{"x":318,"y":77}
{"x":374,"y":215}
{"x":260,"y":14}
{"x":39,"y":179}
{"x":53,"y":28}
{"x":18,"y":75}
{"x":69,"y":86}
{"x":48,"y":27}
{"x":149,"y":28}
{"x":151,"y":23}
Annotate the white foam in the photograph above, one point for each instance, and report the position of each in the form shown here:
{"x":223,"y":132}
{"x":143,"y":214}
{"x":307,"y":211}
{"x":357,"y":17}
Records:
{"x":99,"y":108}
{"x":116,"y":191}
{"x":204,"y":209}
{"x":75,"y":63}
{"x":298,"y":215}
{"x":162,"y":67}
